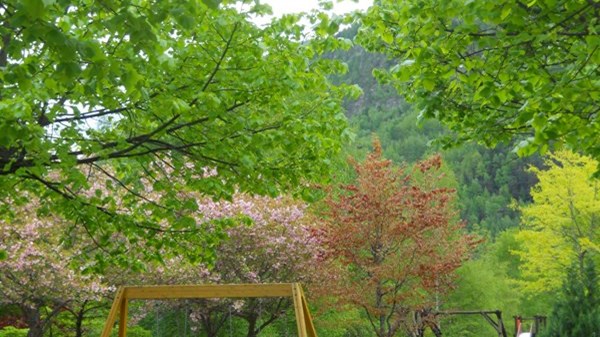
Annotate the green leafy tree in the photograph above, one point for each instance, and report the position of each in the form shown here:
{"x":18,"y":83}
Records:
{"x":577,"y":313}
{"x":561,"y":223}
{"x":155,"y":94}
{"x":496,"y":70}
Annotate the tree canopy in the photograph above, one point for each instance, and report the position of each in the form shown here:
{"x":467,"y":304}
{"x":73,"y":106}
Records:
{"x":496,"y":70}
{"x":153,"y":95}
{"x":393,"y":242}
{"x":561,"y":223}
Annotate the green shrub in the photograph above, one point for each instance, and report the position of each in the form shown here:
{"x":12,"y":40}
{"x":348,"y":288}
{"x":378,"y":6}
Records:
{"x":134,"y":331}
{"x":11,"y":331}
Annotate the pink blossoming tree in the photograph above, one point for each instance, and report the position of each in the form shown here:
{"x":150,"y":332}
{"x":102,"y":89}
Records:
{"x":38,"y":275}
{"x":276,"y":245}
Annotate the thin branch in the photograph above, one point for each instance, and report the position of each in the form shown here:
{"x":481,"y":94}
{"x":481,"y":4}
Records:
{"x":569,"y":17}
{"x":90,"y":114}
{"x":118,"y":181}
{"x":220,"y":61}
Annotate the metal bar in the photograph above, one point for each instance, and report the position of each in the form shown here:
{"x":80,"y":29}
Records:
{"x":209,"y":291}
{"x":468,"y":312}
{"x":501,"y":324}
{"x":300,"y":320}
{"x":112,"y":314}
{"x":310,"y":327}
{"x":123,"y":317}
{"x":493,"y":324}
{"x":498,"y":326}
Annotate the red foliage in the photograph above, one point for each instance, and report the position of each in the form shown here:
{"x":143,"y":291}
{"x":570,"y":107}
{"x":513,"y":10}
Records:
{"x":393,"y":240}
{"x":11,"y":320}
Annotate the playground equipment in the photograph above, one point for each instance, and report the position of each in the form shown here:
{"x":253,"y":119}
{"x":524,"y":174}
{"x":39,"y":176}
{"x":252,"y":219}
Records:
{"x":538,"y":323}
{"x":496,"y":323}
{"x":125,"y":294}
{"x":428,"y":319}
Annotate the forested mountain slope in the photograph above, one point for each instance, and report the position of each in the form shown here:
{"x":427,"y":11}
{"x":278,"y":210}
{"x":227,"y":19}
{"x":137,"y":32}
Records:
{"x":488,"y":180}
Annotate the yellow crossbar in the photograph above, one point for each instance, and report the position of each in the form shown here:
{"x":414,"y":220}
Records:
{"x":209,"y":291}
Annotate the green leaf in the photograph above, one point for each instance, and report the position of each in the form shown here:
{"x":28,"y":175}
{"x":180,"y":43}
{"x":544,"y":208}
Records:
{"x":214,"y":4}
{"x":387,"y":37}
{"x":35,"y":8}
{"x":91,"y":50}
{"x":428,"y":84}
{"x":247,"y":161}
{"x":525,"y":148}
{"x":184,"y":222}
{"x":506,"y":12}
{"x":131,"y":78}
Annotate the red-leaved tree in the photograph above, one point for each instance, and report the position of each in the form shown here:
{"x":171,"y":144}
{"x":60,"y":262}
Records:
{"x":393,"y":241}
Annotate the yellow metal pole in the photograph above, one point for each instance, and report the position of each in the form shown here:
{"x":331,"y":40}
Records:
{"x":112,"y":314}
{"x":307,"y":316}
{"x":299,"y":311}
{"x":123,"y":317}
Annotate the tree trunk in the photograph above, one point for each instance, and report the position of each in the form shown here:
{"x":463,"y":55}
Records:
{"x":381,"y":317}
{"x":34,"y":320}
{"x":252,"y":326}
{"x":211,"y":329}
{"x":79,"y":322}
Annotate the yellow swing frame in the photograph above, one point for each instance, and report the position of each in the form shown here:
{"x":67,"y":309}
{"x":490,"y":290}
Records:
{"x":163,"y":292}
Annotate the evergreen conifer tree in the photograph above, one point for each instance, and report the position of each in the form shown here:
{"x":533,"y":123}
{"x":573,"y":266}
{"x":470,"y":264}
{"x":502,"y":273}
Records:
{"x":577,"y":313}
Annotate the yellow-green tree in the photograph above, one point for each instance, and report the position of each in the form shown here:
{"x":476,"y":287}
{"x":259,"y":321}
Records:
{"x":562,"y":223}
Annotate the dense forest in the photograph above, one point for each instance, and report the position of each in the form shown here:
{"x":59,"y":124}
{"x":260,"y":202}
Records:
{"x":424,"y":168}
